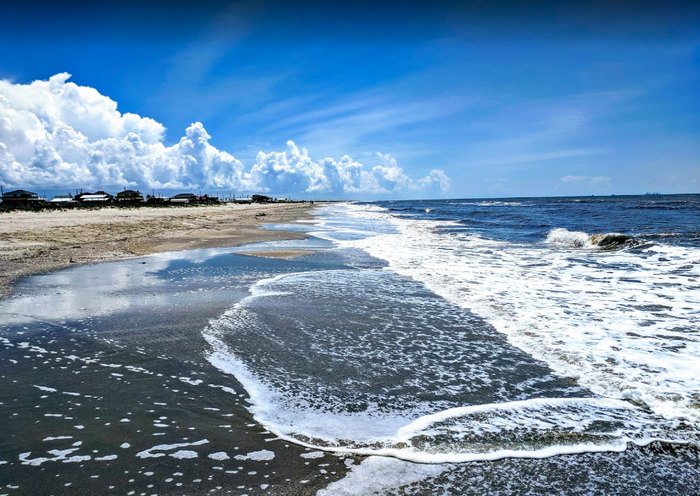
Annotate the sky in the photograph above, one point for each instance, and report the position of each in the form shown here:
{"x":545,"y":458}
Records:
{"x":358,"y":100}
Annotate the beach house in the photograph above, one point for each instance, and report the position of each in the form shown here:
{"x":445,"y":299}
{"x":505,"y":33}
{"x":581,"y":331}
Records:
{"x":261,"y":199}
{"x":183,"y":198}
{"x":129,"y":197}
{"x":20,"y":197}
{"x":96,"y":198}
{"x":62,"y":201}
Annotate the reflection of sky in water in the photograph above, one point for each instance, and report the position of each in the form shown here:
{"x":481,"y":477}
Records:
{"x":291,"y":244}
{"x":85,"y":291}
{"x":142,"y":284}
{"x":336,"y":222}
{"x":288,"y":227}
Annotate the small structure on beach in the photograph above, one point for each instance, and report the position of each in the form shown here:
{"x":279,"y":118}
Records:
{"x":260,"y":199}
{"x":183,"y":198}
{"x":96,"y":198}
{"x":63,"y":201}
{"x":129,"y":197}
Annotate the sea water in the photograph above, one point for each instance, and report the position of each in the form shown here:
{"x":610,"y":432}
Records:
{"x":441,"y":335}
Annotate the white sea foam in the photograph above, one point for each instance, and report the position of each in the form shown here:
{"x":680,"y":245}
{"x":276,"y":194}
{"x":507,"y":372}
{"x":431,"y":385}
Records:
{"x":532,"y":428}
{"x":577,"y":239}
{"x":625,"y":324}
{"x":56,"y":456}
{"x":379,"y":475}
{"x":493,"y":203}
{"x":258,"y":456}
{"x":184,"y":454}
{"x":313,"y":455}
{"x":192,"y":382}
{"x":46,"y":388}
{"x":157,"y":451}
{"x":219,"y":455}
{"x":570,"y":239}
{"x":293,"y":421}
{"x":106,"y":458}
{"x":610,"y":319}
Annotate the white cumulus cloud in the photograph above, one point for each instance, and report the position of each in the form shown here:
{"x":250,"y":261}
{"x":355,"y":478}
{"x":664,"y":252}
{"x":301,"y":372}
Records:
{"x":56,"y":133}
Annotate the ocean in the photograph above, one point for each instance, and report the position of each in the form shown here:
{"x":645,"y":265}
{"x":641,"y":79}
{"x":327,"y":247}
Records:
{"x":474,"y":330}
{"x":515,"y":346}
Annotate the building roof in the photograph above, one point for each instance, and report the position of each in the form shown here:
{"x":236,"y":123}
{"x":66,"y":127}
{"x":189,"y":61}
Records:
{"x":96,"y":197}
{"x":20,"y":193}
{"x":62,"y":199}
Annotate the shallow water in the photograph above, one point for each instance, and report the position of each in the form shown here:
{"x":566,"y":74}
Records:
{"x":437,"y":343}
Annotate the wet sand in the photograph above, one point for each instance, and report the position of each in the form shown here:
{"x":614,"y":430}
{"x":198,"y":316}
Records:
{"x":103,"y":413}
{"x":104,"y":380}
{"x":40,"y":242}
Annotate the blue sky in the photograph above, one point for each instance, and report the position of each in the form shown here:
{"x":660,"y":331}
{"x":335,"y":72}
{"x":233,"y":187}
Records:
{"x":541,"y":100}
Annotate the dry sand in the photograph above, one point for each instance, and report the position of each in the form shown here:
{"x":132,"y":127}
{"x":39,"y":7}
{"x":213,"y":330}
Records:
{"x":38,"y":242}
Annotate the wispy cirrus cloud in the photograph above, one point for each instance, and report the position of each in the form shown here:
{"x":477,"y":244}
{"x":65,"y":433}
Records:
{"x":544,"y":131}
{"x":587,"y":180}
{"x":363,"y":121}
{"x":530,"y":158}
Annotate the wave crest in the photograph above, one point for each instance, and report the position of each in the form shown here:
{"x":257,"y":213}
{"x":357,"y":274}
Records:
{"x":579,"y":239}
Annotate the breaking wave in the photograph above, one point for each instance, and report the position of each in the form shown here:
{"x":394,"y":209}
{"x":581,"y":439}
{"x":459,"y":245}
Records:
{"x":577,"y":239}
{"x":624,"y":325}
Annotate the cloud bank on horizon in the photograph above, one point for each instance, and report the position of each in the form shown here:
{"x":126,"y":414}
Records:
{"x":57,"y":134}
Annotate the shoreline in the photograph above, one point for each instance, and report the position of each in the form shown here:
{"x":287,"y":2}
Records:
{"x":130,"y":391}
{"x":33,"y":243}
{"x":107,"y":373}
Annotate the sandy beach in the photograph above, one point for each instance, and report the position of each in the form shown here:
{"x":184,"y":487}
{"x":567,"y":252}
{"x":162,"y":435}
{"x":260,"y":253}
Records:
{"x":39,"y":242}
{"x":128,"y":401}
